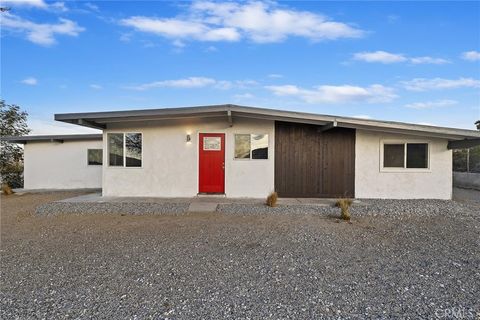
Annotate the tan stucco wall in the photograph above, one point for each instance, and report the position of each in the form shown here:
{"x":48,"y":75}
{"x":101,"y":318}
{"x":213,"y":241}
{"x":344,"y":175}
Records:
{"x":372,"y":182}
{"x":53,"y":165}
{"x":170,"y":164}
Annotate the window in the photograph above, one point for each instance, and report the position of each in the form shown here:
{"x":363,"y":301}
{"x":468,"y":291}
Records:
{"x":405,"y":155}
{"x":124,"y":149}
{"x":212,"y":143}
{"x":115,"y":149}
{"x":95,"y":157}
{"x":242,"y":146}
{"x":251,"y":146}
{"x":133,"y":149}
{"x":393,"y":155}
{"x":417,"y":155}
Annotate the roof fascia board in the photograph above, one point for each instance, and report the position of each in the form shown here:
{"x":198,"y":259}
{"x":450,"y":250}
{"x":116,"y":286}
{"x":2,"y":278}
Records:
{"x":99,"y":118}
{"x":463,"y":144}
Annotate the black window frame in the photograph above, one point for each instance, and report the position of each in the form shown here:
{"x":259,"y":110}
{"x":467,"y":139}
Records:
{"x":406,"y":158}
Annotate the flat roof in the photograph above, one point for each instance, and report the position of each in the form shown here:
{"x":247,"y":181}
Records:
{"x":101,"y":120}
{"x":53,"y":138}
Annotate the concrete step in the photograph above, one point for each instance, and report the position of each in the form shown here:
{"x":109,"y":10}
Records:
{"x":202,"y":207}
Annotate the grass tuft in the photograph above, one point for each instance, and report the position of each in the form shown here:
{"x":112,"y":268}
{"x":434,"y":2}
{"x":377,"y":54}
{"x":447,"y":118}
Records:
{"x":272,"y":199}
{"x":344,"y":205}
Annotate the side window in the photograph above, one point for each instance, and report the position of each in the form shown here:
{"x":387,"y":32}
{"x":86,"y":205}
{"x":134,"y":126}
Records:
{"x":251,"y":146}
{"x":115,"y":149}
{"x":393,"y":155}
{"x":242,"y":146}
{"x":417,"y":155}
{"x":133,"y":149}
{"x":95,"y":157}
{"x":259,"y":146}
{"x":124,"y":149}
{"x":405,"y":155}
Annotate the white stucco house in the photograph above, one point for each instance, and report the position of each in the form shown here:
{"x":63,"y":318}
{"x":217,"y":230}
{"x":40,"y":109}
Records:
{"x":241,"y":151}
{"x":62,"y":161}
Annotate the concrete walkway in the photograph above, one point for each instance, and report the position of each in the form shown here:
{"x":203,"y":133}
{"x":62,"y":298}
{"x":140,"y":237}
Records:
{"x":196,"y":204}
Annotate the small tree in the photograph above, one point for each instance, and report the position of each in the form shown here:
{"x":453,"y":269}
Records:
{"x":477,"y":123}
{"x":13,"y":122}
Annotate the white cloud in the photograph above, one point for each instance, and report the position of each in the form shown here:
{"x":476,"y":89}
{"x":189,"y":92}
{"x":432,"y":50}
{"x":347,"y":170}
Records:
{"x":126,"y":37}
{"x":59,"y":6}
{"x":431,"y":104}
{"x":260,"y":22}
{"x":181,"y":29}
{"x":362,"y":116}
{"x":96,"y":87}
{"x":471,"y":55}
{"x":275,"y":76}
{"x":243,"y":96}
{"x":388,"y":57}
{"x":423,"y":84}
{"x":191,"y":82}
{"x":37,"y":4}
{"x":31,"y":81}
{"x":196,"y":82}
{"x":178,"y":43}
{"x":336,"y":94}
{"x":211,"y":49}
{"x":91,"y":6}
{"x":426,"y":124}
{"x":379,"y":56}
{"x":40,"y":33}
{"x":428,"y":60}
{"x":42,"y":126}
{"x":26,"y":3}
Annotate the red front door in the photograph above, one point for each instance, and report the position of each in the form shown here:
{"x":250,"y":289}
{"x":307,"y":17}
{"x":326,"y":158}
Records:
{"x":211,"y":163}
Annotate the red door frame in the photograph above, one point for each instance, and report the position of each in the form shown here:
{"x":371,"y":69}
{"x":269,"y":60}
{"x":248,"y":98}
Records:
{"x":211,"y":166}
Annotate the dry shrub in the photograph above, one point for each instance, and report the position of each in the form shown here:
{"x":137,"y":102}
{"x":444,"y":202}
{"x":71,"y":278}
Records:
{"x":6,"y":189}
{"x":272,"y":199}
{"x":344,"y":205}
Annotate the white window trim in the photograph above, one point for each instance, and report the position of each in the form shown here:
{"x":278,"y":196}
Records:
{"x":250,"y":159}
{"x":124,"y":151}
{"x":94,"y":165}
{"x":405,"y":169}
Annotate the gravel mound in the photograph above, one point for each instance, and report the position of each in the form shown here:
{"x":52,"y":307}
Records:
{"x":130,"y":208}
{"x":367,"y":207}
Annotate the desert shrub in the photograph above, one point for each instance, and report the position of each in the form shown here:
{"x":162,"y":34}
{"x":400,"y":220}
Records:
{"x":344,"y":205}
{"x":13,"y":122}
{"x":12,"y":174}
{"x":6,"y":189}
{"x":272,"y":199}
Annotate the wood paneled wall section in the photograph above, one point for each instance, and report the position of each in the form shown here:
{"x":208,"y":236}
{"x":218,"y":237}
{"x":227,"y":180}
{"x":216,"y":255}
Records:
{"x":309,"y":163}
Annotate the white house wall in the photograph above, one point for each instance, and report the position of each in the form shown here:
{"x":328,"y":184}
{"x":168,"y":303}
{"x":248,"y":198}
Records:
{"x":54,"y":165}
{"x":170,"y":163}
{"x":372,"y":182}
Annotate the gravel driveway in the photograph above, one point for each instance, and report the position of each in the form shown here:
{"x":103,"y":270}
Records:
{"x":216,"y":266}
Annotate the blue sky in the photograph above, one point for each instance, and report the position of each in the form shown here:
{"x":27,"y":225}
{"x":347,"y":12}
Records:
{"x":404,"y":61}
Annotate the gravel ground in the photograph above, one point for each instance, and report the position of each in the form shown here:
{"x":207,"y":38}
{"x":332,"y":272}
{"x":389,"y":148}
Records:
{"x":399,"y":209}
{"x":216,"y":266}
{"x":133,"y":208}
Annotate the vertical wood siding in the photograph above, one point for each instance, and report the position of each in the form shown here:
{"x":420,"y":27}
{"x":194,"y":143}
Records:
{"x":309,"y":163}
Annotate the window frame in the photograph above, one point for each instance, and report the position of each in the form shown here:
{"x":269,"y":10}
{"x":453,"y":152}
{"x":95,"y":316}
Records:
{"x":124,"y":166}
{"x":250,"y":134}
{"x":405,"y":143}
{"x":88,"y":164}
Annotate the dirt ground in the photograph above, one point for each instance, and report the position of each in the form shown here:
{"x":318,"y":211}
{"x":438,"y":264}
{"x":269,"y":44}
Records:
{"x":224,"y":266}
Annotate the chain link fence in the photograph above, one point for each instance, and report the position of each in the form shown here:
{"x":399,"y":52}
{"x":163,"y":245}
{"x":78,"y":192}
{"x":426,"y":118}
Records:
{"x":467,"y":160}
